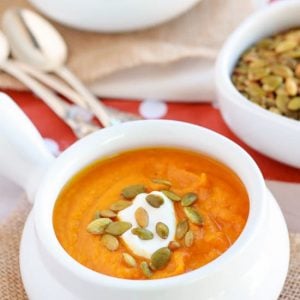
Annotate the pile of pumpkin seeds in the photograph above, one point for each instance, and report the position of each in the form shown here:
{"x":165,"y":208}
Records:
{"x":268,"y":74}
{"x":106,"y":225}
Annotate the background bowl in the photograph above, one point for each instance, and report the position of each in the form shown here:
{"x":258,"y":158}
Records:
{"x":275,"y":136}
{"x":112,"y":15}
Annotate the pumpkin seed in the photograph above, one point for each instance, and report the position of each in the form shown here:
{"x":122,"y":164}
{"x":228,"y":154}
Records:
{"x":294,"y":104}
{"x":107,"y":213}
{"x":162,"y":181}
{"x":118,"y":228}
{"x":160,"y":258}
{"x":110,"y":242}
{"x":181,"y":229}
{"x":282,"y":71}
{"x":188,"y":199}
{"x":97,"y":215}
{"x":174,"y":245}
{"x":142,"y":217}
{"x":132,"y":191}
{"x":271,"y":83}
{"x":258,"y":73}
{"x":291,"y":86}
{"x":162,"y":230}
{"x":155,"y":200}
{"x":286,"y":46}
{"x":142,"y":233}
{"x":129,"y":260}
{"x":189,"y":238}
{"x":171,"y":195}
{"x":120,"y":205}
{"x":146,"y":269}
{"x":275,"y":110}
{"x":281,"y":103}
{"x":297,"y":70}
{"x":98,"y":226}
{"x":193,"y":215}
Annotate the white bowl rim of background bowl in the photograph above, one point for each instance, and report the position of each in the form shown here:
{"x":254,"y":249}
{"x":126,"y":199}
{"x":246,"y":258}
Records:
{"x":257,"y":212}
{"x":225,"y":63}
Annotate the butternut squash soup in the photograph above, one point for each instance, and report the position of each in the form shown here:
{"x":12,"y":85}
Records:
{"x":150,"y":213}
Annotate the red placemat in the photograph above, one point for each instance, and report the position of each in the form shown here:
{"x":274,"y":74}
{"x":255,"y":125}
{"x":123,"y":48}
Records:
{"x":50,"y":126}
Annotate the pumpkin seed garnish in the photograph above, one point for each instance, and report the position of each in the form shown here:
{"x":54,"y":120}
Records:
{"x":189,"y":238}
{"x":174,"y":245}
{"x":118,"y":228}
{"x":98,"y":226}
{"x":133,"y":190}
{"x":120,"y":205}
{"x":154,"y":200}
{"x":188,"y":199}
{"x":160,"y":258}
{"x":146,"y":269}
{"x":142,"y":217}
{"x":162,"y":181}
{"x":142,"y":233}
{"x":107,"y":213}
{"x":110,"y":242}
{"x":193,"y":215}
{"x":162,"y":230}
{"x":171,"y":195}
{"x":129,"y":260}
{"x":181,"y":229}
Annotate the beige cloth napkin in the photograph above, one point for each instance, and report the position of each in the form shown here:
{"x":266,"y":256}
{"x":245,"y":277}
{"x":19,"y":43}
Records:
{"x":98,"y":58}
{"x":11,"y":287}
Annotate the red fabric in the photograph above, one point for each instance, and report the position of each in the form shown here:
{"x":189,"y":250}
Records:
{"x":51,"y":126}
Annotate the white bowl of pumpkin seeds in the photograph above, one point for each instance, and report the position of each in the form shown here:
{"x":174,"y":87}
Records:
{"x":258,"y":81}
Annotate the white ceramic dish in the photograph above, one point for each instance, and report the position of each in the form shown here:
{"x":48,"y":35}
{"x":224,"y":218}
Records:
{"x":267,"y":283}
{"x":24,"y":159}
{"x":113,"y":15}
{"x":275,"y":136}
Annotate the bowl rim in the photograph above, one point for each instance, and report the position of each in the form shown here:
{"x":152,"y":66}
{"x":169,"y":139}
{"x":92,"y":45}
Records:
{"x":255,"y":218}
{"x":223,"y":71}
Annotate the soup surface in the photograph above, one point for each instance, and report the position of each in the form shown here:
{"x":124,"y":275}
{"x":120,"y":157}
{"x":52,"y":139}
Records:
{"x":219,"y":200}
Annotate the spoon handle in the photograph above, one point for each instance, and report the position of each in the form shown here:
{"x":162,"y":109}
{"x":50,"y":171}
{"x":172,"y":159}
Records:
{"x":60,"y":107}
{"x":52,"y":82}
{"x":95,"y":105}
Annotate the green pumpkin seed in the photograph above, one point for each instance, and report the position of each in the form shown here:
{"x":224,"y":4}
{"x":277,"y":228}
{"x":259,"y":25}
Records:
{"x":282,"y":71}
{"x":281,"y":103}
{"x":155,"y":200}
{"x":98,"y":226}
{"x":171,"y":195}
{"x":193,"y":215}
{"x":294,"y":104}
{"x":142,"y":217}
{"x":255,"y":90}
{"x":146,"y":269}
{"x":189,"y":238}
{"x":132,"y":191}
{"x":118,"y":228}
{"x":286,"y":46}
{"x":174,"y":245}
{"x":188,"y":199}
{"x":162,"y":181}
{"x":271,"y":83}
{"x":110,"y":242}
{"x":162,"y":230}
{"x":142,"y":233}
{"x":120,"y":205}
{"x":107,"y":213}
{"x":129,"y":260}
{"x":181,"y":229}
{"x":258,"y":73}
{"x":160,"y":258}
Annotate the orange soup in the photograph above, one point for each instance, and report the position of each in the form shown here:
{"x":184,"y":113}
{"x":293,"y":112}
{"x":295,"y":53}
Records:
{"x":210,"y":204}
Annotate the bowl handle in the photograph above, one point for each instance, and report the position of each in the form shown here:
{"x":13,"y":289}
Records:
{"x":24,"y":158}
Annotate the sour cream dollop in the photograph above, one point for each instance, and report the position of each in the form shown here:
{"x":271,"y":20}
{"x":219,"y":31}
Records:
{"x":165,"y":213}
